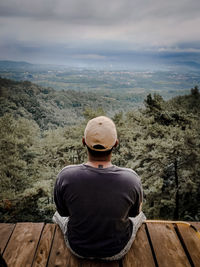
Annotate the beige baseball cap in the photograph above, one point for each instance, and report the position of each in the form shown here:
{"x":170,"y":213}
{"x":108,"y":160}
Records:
{"x":100,"y":134}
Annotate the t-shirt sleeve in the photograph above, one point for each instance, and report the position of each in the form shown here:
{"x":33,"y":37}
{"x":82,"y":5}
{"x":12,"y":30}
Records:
{"x":137,"y":196}
{"x":59,"y":198}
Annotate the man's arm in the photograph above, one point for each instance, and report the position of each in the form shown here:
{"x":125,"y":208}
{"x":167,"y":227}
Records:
{"x":136,"y":208}
{"x":59,"y":199}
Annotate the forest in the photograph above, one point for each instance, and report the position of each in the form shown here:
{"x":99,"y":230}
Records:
{"x":50,"y":108}
{"x":41,"y":132}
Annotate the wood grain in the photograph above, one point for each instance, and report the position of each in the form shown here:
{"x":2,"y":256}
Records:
{"x":60,"y":255}
{"x":191,"y":240}
{"x":167,"y":246}
{"x":33,"y":245}
{"x":140,"y":253}
{"x":43,"y":250}
{"x":22,"y":245}
{"x":5,"y":233}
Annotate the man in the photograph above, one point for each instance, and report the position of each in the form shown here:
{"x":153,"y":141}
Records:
{"x":95,"y":200}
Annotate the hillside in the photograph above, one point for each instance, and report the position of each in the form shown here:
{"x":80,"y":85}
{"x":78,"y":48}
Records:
{"x":50,"y":108}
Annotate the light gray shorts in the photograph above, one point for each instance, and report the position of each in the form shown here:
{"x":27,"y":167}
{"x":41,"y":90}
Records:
{"x":136,"y":222}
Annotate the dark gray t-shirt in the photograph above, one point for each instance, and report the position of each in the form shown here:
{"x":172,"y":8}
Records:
{"x":99,"y":203}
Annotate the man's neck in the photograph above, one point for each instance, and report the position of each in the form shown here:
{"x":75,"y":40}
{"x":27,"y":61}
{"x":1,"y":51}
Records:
{"x":99,"y":164}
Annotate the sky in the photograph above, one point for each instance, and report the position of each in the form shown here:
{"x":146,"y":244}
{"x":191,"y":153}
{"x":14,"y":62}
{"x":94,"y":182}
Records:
{"x":100,"y":31}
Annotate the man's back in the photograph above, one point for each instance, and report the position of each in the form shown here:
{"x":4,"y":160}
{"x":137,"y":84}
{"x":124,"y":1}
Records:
{"x":98,"y":203}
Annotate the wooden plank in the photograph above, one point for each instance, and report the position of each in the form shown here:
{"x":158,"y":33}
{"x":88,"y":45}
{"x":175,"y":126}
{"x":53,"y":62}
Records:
{"x":196,"y":225}
{"x":60,"y":255}
{"x":22,"y":244}
{"x":191,"y":239}
{"x":140,"y":253}
{"x":167,"y":247}
{"x":44,"y":247}
{"x":5,"y":233}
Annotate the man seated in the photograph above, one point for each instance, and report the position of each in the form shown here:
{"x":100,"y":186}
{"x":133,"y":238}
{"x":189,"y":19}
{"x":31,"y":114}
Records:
{"x":98,"y":204}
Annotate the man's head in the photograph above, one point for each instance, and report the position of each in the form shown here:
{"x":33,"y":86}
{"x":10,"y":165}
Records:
{"x":100,"y":136}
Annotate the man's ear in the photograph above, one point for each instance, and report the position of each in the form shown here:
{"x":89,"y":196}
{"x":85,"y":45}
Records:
{"x":116,"y":143}
{"x":83,"y":141}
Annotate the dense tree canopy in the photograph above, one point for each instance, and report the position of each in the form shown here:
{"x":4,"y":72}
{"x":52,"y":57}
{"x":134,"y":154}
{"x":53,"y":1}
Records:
{"x":161,"y":142}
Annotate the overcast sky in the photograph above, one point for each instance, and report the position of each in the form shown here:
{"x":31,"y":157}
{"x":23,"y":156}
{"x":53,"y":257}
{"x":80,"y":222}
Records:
{"x":57,"y":31}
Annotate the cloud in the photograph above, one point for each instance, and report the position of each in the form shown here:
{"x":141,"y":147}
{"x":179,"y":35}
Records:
{"x":81,"y":25}
{"x":100,"y":12}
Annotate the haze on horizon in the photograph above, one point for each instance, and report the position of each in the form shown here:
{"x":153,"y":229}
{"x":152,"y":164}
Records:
{"x":100,"y":32}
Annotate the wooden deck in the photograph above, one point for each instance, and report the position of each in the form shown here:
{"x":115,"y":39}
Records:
{"x":170,"y":244}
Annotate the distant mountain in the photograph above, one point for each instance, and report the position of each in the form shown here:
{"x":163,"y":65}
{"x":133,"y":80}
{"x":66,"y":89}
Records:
{"x":23,"y":65}
{"x":7,"y":64}
{"x":128,"y":60}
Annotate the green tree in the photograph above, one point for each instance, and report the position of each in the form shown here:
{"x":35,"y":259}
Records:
{"x":21,"y":177}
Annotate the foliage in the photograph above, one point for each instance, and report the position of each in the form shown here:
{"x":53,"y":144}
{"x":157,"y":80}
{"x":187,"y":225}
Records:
{"x":50,"y":108}
{"x":161,"y":142}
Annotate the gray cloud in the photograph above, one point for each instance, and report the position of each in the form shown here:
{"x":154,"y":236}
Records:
{"x":95,"y":11}
{"x":81,"y":25}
